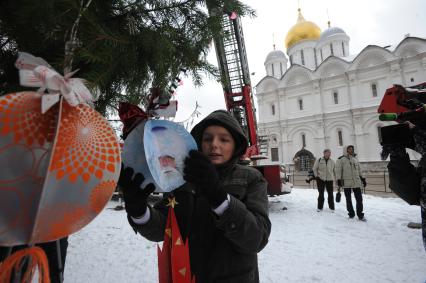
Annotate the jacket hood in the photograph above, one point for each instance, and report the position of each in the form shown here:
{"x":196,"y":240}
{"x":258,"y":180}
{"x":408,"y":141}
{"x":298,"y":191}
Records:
{"x":345,"y":148}
{"x":224,"y":119}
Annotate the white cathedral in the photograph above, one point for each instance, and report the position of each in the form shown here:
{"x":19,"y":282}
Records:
{"x":328,"y":98}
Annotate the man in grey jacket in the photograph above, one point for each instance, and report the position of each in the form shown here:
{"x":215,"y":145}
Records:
{"x":349,"y":177}
{"x":324,"y":174}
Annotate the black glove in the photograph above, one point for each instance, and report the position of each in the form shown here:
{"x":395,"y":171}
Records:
{"x":200,"y":171}
{"x":364,"y":182}
{"x":339,"y":183}
{"x":135,"y":198}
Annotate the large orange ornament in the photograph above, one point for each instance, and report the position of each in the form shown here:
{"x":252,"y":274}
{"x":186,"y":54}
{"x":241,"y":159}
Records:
{"x":58,"y":169}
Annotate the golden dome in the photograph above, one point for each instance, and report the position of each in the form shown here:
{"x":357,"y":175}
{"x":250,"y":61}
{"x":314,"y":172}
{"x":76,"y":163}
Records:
{"x":302,"y":30}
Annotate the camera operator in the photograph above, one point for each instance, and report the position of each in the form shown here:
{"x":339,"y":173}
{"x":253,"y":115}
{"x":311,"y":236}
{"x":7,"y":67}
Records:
{"x":407,"y":181}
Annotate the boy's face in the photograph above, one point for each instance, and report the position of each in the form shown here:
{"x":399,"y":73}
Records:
{"x":218,"y":144}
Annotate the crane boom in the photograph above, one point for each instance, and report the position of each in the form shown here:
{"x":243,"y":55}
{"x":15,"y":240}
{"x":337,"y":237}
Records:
{"x":235,"y":75}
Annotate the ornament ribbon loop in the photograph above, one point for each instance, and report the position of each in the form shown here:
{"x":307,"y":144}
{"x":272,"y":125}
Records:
{"x":35,"y":72}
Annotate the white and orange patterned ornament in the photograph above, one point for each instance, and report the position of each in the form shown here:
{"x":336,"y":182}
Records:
{"x":59,"y":168}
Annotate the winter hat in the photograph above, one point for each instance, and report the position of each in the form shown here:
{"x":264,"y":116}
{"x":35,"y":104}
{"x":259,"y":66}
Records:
{"x":224,"y":119}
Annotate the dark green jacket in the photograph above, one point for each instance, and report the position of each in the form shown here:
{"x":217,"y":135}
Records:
{"x":222,"y":249}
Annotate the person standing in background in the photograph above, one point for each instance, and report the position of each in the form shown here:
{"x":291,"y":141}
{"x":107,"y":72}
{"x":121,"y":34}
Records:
{"x":324,"y":174}
{"x":349,"y":177}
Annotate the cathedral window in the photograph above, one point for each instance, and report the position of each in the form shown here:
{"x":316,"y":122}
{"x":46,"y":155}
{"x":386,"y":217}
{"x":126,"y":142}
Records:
{"x":273,"y":71}
{"x":274,"y":154}
{"x":336,"y":97}
{"x":340,"y":137}
{"x":343,"y":48}
{"x":281,"y":69}
{"x":374,"y":89}
{"x":302,"y":56}
{"x":291,"y":59}
{"x":300,"y":101}
{"x":331,"y":49}
{"x":322,"y":59}
{"x":303,"y":140}
{"x":273,"y":109}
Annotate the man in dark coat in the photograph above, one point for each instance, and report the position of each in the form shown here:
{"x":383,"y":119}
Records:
{"x":222,"y":209}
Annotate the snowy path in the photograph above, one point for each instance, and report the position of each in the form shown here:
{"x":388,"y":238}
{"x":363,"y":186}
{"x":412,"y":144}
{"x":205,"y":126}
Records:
{"x":305,"y":245}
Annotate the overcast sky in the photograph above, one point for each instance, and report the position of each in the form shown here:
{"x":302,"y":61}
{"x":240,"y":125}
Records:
{"x":366,"y":22}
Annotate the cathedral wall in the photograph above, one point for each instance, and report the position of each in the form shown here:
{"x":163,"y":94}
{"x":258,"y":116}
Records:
{"x":339,"y":86}
{"x":326,"y":124}
{"x":414,"y":70}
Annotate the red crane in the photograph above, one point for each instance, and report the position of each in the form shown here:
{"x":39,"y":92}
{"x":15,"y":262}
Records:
{"x":235,"y":77}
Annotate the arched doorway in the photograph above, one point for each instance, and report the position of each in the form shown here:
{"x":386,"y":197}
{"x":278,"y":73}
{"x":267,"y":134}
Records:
{"x":303,"y":160}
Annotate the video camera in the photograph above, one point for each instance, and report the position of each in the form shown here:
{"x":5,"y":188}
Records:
{"x":402,"y":104}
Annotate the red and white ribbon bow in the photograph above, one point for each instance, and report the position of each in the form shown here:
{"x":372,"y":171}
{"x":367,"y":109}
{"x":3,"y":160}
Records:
{"x":35,"y":72}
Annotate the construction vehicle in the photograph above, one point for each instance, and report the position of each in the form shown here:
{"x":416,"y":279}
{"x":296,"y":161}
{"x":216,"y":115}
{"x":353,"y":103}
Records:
{"x":235,"y":77}
{"x":401,"y":104}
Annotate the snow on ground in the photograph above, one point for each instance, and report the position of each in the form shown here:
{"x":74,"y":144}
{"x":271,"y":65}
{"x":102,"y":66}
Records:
{"x":304,"y":246}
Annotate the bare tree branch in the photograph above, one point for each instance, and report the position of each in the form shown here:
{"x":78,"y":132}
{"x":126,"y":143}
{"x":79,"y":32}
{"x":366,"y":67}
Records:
{"x":72,"y":43}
